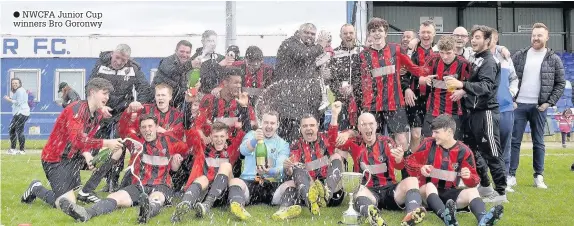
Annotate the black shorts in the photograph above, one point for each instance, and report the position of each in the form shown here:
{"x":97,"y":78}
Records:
{"x":134,"y":191}
{"x":64,"y":176}
{"x":452,"y":193}
{"x":261,"y":193}
{"x":386,"y":197}
{"x":394,"y":121}
{"x":427,"y":131}
{"x":416,"y":114}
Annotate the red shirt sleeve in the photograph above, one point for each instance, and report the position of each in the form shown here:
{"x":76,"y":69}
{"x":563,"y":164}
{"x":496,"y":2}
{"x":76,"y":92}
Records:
{"x":197,"y":170}
{"x":415,"y":70}
{"x":233,"y":149}
{"x":205,"y":111}
{"x":418,"y":158}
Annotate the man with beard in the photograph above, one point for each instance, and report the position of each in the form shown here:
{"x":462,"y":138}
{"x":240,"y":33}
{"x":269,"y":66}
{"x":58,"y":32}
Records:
{"x":482,"y":117}
{"x":381,"y":82}
{"x":380,"y":156}
{"x":212,"y":169}
{"x":313,"y":162}
{"x":257,"y":184}
{"x":440,"y":99}
{"x":173,"y":70}
{"x":345,"y":79}
{"x":415,"y":94}
{"x":125,"y":74}
{"x":68,"y":147}
{"x":541,"y":75}
{"x":439,"y":163}
{"x":256,"y":74}
{"x":152,"y":188}
{"x":296,"y":67}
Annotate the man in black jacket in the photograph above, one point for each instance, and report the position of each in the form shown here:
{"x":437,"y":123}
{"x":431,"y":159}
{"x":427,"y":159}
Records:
{"x":346,"y":76}
{"x":481,"y":119}
{"x":173,"y":70}
{"x":541,"y":84}
{"x":296,"y":69}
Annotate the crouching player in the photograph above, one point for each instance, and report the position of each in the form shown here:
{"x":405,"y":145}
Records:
{"x":159,"y":154}
{"x":379,"y":155}
{"x":439,"y":163}
{"x":258,"y":184}
{"x":69,"y":145}
{"x":212,"y":169}
{"x":313,"y":160}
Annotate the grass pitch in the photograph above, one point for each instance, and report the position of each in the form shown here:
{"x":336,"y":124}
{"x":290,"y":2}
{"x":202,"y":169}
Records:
{"x":528,"y":205}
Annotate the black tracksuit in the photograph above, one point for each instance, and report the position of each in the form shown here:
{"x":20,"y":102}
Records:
{"x":481,"y":119}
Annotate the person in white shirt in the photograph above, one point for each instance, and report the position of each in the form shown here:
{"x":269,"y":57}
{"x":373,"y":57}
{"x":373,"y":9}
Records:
{"x":21,"y":112}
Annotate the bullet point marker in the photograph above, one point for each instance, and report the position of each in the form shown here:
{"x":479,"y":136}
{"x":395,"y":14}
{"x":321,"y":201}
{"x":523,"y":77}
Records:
{"x":16,"y":14}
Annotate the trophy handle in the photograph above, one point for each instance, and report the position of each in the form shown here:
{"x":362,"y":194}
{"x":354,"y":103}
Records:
{"x":369,"y":178}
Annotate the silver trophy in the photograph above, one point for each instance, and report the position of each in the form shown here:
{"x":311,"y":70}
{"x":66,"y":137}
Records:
{"x":351,"y":184}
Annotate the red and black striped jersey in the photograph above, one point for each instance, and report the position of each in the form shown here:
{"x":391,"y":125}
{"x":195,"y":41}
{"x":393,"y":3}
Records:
{"x":380,"y":77}
{"x":419,"y":57}
{"x":315,"y":155}
{"x":439,"y":99}
{"x":260,"y":79}
{"x":446,"y":163}
{"x":171,"y":121}
{"x":153,"y":165}
{"x":212,"y":108}
{"x":207,"y":159}
{"x":73,"y":133}
{"x":377,"y":159}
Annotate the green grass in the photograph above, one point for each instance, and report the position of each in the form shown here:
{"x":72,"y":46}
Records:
{"x":528,"y":205}
{"x":30,"y":144}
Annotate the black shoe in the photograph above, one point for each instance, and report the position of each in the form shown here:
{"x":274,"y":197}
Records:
{"x":201,"y":210}
{"x":180,"y":211}
{"x":28,"y":195}
{"x":89,"y":197}
{"x":572,"y":167}
{"x":492,"y":216}
{"x":73,"y":210}
{"x":449,"y":214}
{"x":145,"y":210}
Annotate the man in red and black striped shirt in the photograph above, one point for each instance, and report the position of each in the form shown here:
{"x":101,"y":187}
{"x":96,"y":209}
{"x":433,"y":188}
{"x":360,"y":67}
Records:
{"x":440,"y":99}
{"x":415,"y":95}
{"x":381,"y":81}
{"x":256,"y":74}
{"x":313,"y":162}
{"x":379,"y":156}
{"x":212,"y":169}
{"x":156,"y":156}
{"x":439,"y":163}
{"x":69,"y":146}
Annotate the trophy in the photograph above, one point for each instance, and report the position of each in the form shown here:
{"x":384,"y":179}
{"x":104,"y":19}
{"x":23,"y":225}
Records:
{"x":351,"y":183}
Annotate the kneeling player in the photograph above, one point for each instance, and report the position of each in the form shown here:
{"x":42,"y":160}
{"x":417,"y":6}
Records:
{"x":313,"y":160}
{"x":439,"y":163}
{"x":151,"y":177}
{"x":212,"y":169}
{"x":375,"y":153}
{"x":68,"y":147}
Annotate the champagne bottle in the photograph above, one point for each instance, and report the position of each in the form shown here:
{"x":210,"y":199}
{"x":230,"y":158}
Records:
{"x":193,"y":77}
{"x":261,"y":153}
{"x":102,"y":156}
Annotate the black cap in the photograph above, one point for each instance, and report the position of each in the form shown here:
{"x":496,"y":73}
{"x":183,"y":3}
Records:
{"x":233,"y":48}
{"x":62,"y":86}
